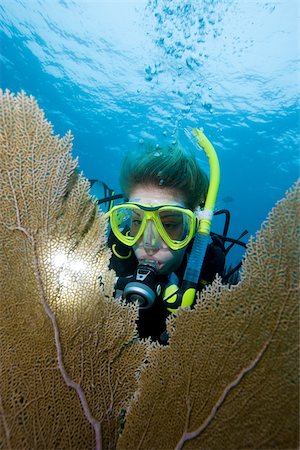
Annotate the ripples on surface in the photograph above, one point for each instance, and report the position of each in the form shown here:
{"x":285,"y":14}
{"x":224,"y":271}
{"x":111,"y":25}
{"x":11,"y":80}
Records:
{"x":116,"y":73}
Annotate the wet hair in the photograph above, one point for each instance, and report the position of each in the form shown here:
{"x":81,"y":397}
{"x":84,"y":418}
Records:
{"x":167,"y":167}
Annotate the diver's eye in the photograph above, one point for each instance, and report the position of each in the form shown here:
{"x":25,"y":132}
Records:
{"x":170,"y":226}
{"x":136,"y":223}
{"x":135,"y":226}
{"x":172,"y":222}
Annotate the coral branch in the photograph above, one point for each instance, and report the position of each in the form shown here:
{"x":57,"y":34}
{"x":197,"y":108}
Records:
{"x":15,"y":200}
{"x":5,"y":425}
{"x":146,"y":427}
{"x":60,"y":332}
{"x":187,"y":436}
{"x":68,"y":380}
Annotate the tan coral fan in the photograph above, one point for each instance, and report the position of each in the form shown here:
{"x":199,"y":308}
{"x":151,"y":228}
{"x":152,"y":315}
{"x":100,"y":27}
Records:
{"x":56,"y":324}
{"x":229,"y":378}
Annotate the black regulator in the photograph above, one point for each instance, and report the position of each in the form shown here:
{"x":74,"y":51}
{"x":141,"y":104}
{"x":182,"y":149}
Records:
{"x":142,"y":287}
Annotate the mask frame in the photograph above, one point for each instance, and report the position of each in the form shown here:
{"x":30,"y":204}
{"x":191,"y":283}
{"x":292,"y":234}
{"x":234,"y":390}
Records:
{"x":151,"y":213}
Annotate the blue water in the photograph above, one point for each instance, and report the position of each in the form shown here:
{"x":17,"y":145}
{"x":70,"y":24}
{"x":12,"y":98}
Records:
{"x":120,"y":73}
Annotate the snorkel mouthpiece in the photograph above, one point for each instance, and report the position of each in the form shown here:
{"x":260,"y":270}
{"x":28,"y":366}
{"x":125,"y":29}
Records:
{"x":149,"y":262}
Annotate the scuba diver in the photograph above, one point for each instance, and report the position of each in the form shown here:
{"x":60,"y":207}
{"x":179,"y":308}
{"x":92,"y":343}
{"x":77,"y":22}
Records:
{"x":163,"y":252}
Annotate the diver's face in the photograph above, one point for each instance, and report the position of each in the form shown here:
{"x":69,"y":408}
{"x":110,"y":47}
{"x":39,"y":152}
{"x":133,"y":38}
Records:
{"x":151,"y":247}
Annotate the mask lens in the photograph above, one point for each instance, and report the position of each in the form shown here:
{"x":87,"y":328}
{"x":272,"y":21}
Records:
{"x":176,"y":223}
{"x":137,"y":217}
{"x":127,"y":222}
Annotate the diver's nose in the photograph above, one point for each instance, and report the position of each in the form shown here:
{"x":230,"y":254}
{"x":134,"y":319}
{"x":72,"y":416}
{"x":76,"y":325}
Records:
{"x":151,"y":239}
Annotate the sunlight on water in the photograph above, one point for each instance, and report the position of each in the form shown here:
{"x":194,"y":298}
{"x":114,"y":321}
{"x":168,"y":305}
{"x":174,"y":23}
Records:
{"x":122,"y":73}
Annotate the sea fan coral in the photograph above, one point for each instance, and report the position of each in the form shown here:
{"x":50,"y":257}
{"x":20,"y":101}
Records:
{"x":229,"y":378}
{"x":69,"y":352}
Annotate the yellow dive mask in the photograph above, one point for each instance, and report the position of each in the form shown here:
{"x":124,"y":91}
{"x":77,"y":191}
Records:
{"x":176,"y":225}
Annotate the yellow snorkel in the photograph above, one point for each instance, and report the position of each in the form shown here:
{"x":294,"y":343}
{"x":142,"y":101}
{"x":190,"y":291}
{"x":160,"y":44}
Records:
{"x":185,"y":295}
{"x":214,"y":181}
